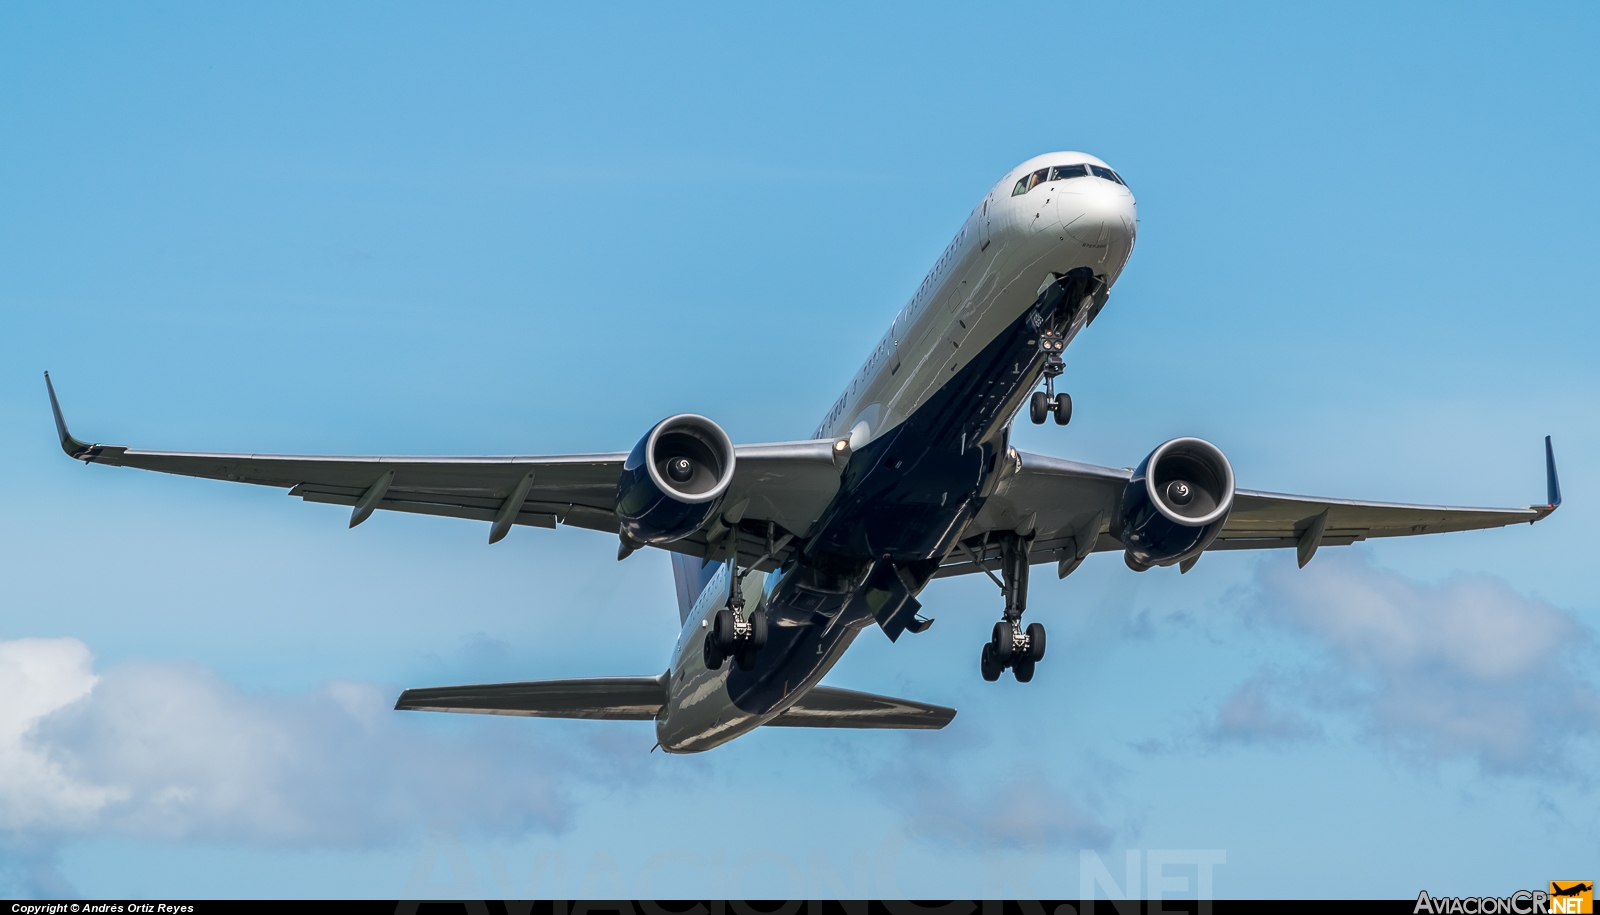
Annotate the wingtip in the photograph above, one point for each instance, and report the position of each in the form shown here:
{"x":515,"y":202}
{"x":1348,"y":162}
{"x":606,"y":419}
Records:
{"x":72,"y":446}
{"x":1551,"y":481}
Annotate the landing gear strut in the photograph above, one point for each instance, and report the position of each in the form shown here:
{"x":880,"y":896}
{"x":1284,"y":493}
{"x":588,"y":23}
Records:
{"x":732,"y":633}
{"x":1011,"y":645}
{"x":1045,"y":402}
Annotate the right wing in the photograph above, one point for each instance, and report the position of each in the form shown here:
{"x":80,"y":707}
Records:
{"x":787,"y":483}
{"x":1069,"y":507}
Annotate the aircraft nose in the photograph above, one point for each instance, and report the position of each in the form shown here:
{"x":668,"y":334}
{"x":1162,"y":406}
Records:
{"x":1101,"y":217}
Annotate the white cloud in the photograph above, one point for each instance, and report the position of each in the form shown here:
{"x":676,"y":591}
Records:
{"x":39,"y":677}
{"x":172,"y":752}
{"x":1464,"y":669}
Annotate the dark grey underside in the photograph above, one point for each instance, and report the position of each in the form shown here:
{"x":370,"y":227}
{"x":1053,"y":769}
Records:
{"x":641,"y":698}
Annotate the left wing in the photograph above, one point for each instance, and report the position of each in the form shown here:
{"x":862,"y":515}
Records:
{"x":1069,"y":507}
{"x":786,"y":483}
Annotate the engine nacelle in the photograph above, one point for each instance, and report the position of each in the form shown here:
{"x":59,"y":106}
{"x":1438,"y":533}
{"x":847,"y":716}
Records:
{"x":674,"y":479}
{"x":1176,"y":503}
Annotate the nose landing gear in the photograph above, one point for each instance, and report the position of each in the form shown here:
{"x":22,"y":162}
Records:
{"x":1045,"y":402}
{"x":1011,"y":645}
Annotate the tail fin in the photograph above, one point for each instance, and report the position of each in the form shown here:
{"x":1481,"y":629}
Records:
{"x":690,"y":574}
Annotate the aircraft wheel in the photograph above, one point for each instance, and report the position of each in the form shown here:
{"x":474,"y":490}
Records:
{"x":713,"y":654}
{"x":747,"y":659}
{"x":1038,"y":407}
{"x":990,"y":667}
{"x":722,"y":629}
{"x":1002,"y":641}
{"x":1022,"y":670}
{"x":758,"y":630}
{"x":1035,"y":642}
{"x":1063,"y":409}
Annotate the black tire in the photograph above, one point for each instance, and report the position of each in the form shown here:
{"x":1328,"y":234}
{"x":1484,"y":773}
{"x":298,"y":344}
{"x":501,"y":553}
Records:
{"x":747,"y":659}
{"x":1002,"y":642}
{"x":1023,"y":671}
{"x":758,"y":630}
{"x":722,"y":629}
{"x":713,"y":654}
{"x":990,"y":667}
{"x":1063,"y":409}
{"x":1038,"y":407}
{"x":1035,"y":642}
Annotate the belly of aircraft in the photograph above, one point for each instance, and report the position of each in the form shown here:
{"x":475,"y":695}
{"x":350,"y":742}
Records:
{"x":707,"y":707}
{"x":907,"y":495}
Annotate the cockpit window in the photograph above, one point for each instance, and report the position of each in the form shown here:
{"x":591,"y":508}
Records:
{"x":1030,"y":182}
{"x":1061,"y":173}
{"x":1106,"y":173}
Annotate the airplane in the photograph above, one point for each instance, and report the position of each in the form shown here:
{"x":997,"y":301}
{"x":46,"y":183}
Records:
{"x":783,"y":553}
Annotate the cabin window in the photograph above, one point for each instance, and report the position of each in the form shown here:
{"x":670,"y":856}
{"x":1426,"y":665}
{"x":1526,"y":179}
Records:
{"x":1106,"y":173}
{"x":1063,"y":172}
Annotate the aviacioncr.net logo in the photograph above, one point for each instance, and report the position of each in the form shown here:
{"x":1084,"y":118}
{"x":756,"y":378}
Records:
{"x":1566,"y":897}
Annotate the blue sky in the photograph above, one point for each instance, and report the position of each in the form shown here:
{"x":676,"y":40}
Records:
{"x":1365,"y":269}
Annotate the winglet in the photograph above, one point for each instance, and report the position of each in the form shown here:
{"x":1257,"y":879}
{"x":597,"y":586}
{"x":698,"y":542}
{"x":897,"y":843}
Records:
{"x":1551,"y":482}
{"x":70,"y":445}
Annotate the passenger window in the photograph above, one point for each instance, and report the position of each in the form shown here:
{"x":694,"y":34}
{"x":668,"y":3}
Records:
{"x":1105,"y":173}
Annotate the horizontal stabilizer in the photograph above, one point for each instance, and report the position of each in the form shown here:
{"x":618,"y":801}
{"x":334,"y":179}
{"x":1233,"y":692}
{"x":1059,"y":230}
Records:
{"x":826,"y":707}
{"x":613,"y":698}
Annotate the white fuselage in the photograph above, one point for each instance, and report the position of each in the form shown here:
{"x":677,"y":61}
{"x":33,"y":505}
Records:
{"x":987,"y":276}
{"x":1010,"y":247}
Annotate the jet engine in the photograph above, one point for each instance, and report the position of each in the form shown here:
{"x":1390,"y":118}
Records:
{"x":674,"y":479}
{"x":1176,"y":503}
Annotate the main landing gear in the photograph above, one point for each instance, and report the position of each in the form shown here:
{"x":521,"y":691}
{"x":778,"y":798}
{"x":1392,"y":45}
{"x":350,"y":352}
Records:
{"x":1045,"y":402}
{"x":733,"y":635}
{"x":1011,"y":645}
